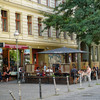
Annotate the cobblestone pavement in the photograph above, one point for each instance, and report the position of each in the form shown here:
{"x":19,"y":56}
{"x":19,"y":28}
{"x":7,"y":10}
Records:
{"x":31,"y":91}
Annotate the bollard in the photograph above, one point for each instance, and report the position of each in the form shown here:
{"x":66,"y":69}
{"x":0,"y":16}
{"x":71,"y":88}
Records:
{"x":40,"y":90}
{"x":55,"y":85}
{"x":80,"y":81}
{"x":12,"y":95}
{"x":19,"y":91}
{"x":96,"y":78}
{"x":68,"y":84}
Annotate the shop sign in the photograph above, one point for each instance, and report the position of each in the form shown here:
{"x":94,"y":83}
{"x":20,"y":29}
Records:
{"x":14,"y":46}
{"x":27,"y":51}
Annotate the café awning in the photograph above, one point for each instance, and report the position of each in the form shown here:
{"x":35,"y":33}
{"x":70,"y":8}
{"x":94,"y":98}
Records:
{"x":14,"y":46}
{"x":62,"y":50}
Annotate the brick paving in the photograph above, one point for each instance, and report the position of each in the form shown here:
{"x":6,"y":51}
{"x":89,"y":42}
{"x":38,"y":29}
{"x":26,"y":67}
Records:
{"x":31,"y":91}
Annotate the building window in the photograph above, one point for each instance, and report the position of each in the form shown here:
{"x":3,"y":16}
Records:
{"x":4,"y":20}
{"x":39,"y":1}
{"x":29,"y":23}
{"x":48,"y":2}
{"x":57,"y":33}
{"x":49,"y":32}
{"x":96,"y":53}
{"x":56,"y":3}
{"x":71,"y":36}
{"x":39,"y":27}
{"x":65,"y":36}
{"x":17,"y":20}
{"x":63,"y":1}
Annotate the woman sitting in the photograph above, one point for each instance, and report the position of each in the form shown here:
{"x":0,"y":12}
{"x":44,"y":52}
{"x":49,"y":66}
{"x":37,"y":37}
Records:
{"x":7,"y":74}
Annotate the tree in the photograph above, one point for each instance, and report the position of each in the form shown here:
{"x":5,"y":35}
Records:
{"x":81,"y":17}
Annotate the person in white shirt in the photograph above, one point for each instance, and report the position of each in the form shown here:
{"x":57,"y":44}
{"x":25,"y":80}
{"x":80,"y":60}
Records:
{"x":49,"y":71}
{"x":45,"y":67}
{"x":88,"y":73}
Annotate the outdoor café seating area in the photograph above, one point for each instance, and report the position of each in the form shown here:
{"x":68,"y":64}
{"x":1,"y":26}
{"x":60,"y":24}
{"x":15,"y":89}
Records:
{"x":59,"y":71}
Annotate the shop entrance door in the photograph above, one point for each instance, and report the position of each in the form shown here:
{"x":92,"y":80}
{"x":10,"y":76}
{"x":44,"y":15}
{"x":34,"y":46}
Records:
{"x":35,"y":57}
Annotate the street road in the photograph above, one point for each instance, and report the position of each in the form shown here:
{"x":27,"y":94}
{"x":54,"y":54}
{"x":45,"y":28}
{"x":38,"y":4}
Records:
{"x":31,"y":91}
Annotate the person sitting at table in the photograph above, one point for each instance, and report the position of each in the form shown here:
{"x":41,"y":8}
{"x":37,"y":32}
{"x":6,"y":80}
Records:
{"x":38,"y":71}
{"x":49,"y":71}
{"x":7,"y":74}
{"x":74,"y":74}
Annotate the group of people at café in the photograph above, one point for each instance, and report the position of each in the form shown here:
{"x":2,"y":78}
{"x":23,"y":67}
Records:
{"x":44,"y":71}
{"x":86,"y":74}
{"x":6,"y":74}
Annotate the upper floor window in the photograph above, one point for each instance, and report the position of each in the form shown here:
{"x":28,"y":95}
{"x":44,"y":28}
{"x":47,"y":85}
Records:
{"x":57,"y":33}
{"x":65,"y":35}
{"x":71,"y":36}
{"x":56,"y":3}
{"x":29,"y":23}
{"x":4,"y":20}
{"x":39,"y":1}
{"x":63,"y":1}
{"x":39,"y":26}
{"x":17,"y":20}
{"x":49,"y":32}
{"x":48,"y":2}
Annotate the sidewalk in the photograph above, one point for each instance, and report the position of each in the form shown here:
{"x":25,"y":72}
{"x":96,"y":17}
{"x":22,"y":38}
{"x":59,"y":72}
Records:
{"x":31,"y":91}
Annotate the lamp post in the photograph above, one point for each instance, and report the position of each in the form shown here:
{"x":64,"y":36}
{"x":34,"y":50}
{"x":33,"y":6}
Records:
{"x":16,"y":34}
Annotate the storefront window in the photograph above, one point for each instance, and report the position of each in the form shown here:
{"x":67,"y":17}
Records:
{"x":13,"y":60}
{"x":27,"y":56}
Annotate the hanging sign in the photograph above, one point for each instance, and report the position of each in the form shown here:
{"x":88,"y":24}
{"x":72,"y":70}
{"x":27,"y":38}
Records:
{"x":27,"y":51}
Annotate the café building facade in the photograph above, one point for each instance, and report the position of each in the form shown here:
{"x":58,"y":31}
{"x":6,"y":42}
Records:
{"x":25,"y":16}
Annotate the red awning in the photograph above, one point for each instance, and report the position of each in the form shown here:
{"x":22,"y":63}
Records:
{"x":14,"y":46}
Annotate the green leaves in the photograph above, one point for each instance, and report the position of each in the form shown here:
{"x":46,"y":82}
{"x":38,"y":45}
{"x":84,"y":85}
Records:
{"x":77,"y":16}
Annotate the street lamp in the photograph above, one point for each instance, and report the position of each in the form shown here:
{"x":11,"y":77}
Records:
{"x":16,"y":34}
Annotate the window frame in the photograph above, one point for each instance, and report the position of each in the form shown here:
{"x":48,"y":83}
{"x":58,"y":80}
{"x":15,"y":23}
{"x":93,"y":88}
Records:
{"x":2,"y":19}
{"x":39,"y":26}
{"x":63,"y":1}
{"x":65,"y":35}
{"x":39,"y":1}
{"x":57,"y":33}
{"x":29,"y":23}
{"x":18,"y":20}
{"x":48,"y":2}
{"x":56,"y":3}
{"x":49,"y":31}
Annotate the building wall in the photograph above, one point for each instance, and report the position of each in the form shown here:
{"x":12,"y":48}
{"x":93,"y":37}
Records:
{"x":32,"y":8}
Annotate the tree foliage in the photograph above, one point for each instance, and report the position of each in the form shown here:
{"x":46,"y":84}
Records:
{"x":81,"y":17}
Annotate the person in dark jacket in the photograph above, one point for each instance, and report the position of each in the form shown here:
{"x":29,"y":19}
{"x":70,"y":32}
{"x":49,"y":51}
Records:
{"x":74,"y":74}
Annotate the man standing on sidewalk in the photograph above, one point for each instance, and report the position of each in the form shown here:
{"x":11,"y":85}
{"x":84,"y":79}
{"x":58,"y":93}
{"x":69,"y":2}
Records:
{"x":88,"y":73}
